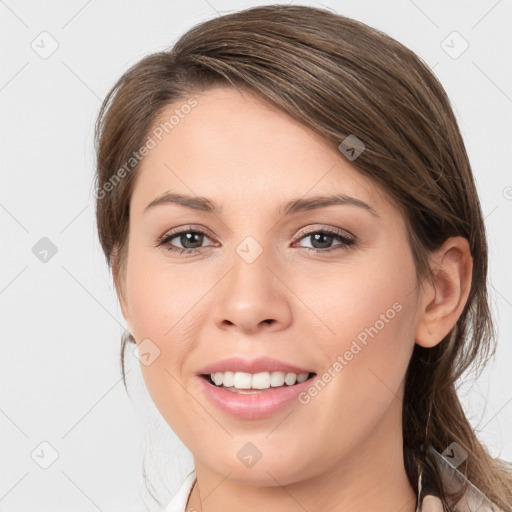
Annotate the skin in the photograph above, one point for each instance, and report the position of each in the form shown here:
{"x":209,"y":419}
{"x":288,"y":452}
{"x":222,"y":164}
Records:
{"x":342,"y":450}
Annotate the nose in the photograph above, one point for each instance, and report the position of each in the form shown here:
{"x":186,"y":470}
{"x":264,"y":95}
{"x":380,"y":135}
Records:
{"x":253,"y":296}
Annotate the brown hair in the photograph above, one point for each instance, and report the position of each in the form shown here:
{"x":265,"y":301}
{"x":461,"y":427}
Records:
{"x":338,"y":77}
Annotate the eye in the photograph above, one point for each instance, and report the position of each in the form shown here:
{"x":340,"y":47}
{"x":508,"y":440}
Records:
{"x":190,"y":239}
{"x":321,"y":240}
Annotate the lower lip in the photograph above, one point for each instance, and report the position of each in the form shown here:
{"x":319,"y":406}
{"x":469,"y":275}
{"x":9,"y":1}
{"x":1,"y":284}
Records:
{"x":253,"y":406}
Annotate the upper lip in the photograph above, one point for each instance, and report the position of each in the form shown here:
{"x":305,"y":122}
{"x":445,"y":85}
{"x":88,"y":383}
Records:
{"x":257,"y":365}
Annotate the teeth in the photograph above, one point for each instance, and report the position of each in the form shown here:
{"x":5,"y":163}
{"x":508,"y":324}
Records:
{"x":228,"y":379}
{"x":242,"y":380}
{"x":263,"y":380}
{"x":302,"y":377}
{"x":276,"y":379}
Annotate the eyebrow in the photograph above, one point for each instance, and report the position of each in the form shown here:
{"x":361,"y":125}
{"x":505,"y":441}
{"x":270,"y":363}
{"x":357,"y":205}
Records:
{"x":294,"y":206}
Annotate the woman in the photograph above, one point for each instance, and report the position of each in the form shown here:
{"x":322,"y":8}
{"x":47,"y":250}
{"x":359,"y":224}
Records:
{"x":299,"y":252}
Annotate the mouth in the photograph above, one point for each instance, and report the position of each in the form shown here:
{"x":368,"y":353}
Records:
{"x":257,"y":388}
{"x":263,"y":382}
{"x":244,"y":402}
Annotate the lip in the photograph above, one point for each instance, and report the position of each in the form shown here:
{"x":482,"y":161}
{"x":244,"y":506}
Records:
{"x":253,"y":406}
{"x":258,"y":365}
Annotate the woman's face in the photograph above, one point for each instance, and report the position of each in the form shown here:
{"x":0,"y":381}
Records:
{"x":273,"y":272}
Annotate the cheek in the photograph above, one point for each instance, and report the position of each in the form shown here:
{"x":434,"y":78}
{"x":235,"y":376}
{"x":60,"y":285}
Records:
{"x":160,"y":297}
{"x":164,"y":315}
{"x":370,"y":297}
{"x":370,"y":310}
{"x":162,"y":308}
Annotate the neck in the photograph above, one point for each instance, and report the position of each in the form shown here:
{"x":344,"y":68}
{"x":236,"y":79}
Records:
{"x":371,"y":477}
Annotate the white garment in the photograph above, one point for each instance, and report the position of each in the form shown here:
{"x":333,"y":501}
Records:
{"x":179,"y":502}
{"x":473,"y":500}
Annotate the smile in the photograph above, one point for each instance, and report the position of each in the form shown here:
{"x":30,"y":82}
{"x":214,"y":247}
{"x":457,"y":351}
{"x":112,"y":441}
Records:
{"x":277,"y":392}
{"x":236,"y":381}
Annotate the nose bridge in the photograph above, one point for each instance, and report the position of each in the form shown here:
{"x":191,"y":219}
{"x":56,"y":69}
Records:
{"x":251,"y":294}
{"x":250,"y":267}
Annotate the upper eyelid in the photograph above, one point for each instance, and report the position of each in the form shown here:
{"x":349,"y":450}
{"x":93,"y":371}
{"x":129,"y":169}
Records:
{"x":318,"y":227}
{"x":187,"y":229}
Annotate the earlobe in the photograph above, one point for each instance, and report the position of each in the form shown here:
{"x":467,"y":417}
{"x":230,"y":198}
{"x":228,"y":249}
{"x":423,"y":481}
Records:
{"x":443,"y":301}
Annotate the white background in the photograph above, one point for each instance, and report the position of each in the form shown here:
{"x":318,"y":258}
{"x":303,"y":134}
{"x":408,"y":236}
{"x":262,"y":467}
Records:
{"x":60,"y":320}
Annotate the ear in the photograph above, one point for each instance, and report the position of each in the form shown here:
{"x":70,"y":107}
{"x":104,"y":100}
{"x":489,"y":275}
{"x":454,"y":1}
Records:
{"x":443,"y":301}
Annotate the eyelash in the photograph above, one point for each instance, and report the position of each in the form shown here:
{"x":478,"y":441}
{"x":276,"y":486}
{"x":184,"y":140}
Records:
{"x":346,"y":241}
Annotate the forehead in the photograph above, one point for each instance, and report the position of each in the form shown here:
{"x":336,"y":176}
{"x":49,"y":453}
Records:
{"x":233,"y":143}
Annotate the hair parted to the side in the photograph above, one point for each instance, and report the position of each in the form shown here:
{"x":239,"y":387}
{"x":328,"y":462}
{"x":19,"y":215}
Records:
{"x":338,"y":77}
